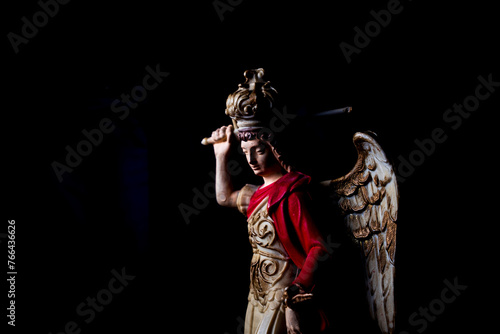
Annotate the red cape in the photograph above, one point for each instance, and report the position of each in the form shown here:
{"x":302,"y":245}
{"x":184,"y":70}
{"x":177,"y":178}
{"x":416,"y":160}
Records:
{"x":287,"y":206}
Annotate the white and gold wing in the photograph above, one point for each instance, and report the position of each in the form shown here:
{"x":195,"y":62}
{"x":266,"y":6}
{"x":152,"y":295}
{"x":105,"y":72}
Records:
{"x":368,"y":197}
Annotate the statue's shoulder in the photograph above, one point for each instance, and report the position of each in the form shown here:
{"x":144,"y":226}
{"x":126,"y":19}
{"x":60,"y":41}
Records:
{"x":244,"y":196}
{"x":289,"y":183}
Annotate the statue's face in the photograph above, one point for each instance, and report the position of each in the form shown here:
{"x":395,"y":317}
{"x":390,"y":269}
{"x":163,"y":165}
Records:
{"x":260,"y":157}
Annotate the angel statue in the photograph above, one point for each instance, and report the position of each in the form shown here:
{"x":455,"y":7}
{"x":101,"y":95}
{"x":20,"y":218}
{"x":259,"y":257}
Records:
{"x":287,"y":245}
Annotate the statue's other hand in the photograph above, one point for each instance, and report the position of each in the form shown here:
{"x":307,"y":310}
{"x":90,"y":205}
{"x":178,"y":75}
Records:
{"x":295,"y":294}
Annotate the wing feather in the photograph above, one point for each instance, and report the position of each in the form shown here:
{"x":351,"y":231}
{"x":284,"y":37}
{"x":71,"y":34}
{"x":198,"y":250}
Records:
{"x":368,"y":197}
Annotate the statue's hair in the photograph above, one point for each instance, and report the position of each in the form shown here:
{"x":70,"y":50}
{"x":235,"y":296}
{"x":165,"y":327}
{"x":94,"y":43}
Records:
{"x":269,"y":139}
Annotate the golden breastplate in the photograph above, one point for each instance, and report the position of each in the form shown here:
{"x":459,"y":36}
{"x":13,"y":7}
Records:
{"x":271,"y":269}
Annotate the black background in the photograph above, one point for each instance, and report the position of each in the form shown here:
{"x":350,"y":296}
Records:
{"x":191,"y":276}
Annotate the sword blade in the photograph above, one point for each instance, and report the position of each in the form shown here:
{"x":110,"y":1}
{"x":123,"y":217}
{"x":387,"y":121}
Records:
{"x":344,"y":110}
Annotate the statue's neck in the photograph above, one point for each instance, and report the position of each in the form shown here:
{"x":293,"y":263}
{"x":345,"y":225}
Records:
{"x":270,"y":179}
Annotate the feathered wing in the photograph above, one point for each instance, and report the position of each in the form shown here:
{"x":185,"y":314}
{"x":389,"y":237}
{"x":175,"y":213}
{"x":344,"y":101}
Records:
{"x":368,"y":197}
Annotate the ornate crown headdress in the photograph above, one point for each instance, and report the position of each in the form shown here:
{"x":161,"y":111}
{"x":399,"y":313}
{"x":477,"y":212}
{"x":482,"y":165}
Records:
{"x":250,"y":107}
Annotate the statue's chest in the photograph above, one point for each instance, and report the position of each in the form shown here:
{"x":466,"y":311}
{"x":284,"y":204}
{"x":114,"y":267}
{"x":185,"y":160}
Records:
{"x":271,"y":268}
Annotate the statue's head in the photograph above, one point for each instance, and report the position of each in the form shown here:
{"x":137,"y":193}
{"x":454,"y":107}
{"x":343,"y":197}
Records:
{"x":251,"y":109}
{"x":259,"y":154}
